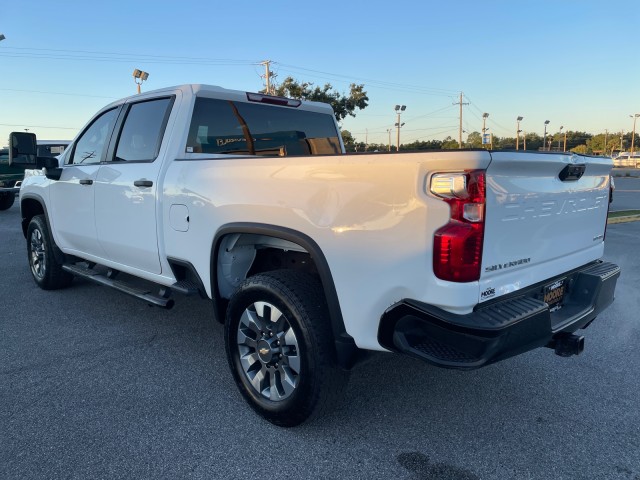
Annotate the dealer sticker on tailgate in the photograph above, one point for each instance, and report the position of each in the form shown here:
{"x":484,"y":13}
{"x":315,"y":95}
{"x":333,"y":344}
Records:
{"x":553,"y":294}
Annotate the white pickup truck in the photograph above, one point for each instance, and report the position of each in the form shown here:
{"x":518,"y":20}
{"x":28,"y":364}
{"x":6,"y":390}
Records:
{"x":311,"y":256}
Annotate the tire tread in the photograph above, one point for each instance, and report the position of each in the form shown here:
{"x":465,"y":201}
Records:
{"x":304,"y":293}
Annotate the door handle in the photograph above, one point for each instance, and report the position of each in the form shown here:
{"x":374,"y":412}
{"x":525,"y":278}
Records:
{"x":143,"y":183}
{"x":86,"y":181}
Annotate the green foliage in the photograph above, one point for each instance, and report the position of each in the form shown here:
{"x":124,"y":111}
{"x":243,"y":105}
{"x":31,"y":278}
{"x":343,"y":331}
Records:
{"x":343,"y":104}
{"x":507,"y":143}
{"x":534,"y":142}
{"x":582,"y":149}
{"x":347,"y":139}
{"x":450,"y":144}
{"x":474,"y":140}
{"x":421,"y":145}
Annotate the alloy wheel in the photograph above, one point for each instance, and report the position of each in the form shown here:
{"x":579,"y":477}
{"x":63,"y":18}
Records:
{"x":269,"y":352}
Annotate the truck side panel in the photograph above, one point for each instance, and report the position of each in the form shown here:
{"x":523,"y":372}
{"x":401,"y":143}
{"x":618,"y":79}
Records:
{"x":370,"y":215}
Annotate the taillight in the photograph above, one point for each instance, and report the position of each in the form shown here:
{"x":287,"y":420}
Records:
{"x":457,"y":249}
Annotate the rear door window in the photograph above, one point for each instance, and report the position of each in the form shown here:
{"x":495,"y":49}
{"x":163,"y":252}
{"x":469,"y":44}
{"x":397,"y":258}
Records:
{"x":143,"y":129}
{"x":229,"y":127}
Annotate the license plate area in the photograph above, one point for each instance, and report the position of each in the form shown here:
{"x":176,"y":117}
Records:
{"x":553,"y":294}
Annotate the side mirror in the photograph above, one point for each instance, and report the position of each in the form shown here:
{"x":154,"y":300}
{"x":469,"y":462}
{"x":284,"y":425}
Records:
{"x":51,"y":167}
{"x":23,"y":149}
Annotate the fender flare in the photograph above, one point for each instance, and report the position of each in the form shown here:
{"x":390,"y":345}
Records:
{"x":346,"y":349}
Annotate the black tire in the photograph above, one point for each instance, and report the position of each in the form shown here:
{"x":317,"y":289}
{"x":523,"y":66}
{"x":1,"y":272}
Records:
{"x":305,"y":380}
{"x":6,"y":200}
{"x":47,"y":272}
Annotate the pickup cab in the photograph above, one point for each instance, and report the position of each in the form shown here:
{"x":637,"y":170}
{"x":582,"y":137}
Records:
{"x":311,"y":256}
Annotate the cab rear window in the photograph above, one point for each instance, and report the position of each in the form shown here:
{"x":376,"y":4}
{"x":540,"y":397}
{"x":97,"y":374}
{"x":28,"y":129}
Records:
{"x":239,"y":128}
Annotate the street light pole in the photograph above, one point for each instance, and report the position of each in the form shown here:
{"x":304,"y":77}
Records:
{"x":399,"y":110}
{"x":518,"y":120}
{"x":544,"y":138}
{"x":484,"y":125}
{"x":139,"y":76}
{"x":389,"y":132}
{"x":633,"y":135}
{"x":561,"y":127}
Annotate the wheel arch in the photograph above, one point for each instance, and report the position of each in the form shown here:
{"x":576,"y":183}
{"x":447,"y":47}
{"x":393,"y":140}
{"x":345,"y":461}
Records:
{"x":346,"y":349}
{"x":30,"y":206}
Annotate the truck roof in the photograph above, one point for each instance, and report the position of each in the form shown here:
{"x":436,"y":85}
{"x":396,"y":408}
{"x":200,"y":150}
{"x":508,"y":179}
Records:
{"x":215,"y":91}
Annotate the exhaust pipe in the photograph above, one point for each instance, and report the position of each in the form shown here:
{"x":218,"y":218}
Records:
{"x":567,"y":344}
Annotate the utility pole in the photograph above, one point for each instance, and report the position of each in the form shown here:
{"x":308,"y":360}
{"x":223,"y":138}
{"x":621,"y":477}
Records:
{"x":366,"y":139}
{"x":524,"y":140}
{"x":399,"y":109}
{"x":606,"y":132}
{"x":621,"y":137}
{"x":389,"y":132}
{"x":564,"y":148}
{"x":460,"y":129}
{"x":267,"y":76}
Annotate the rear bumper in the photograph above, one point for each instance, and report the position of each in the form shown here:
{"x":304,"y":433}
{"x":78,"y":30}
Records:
{"x":501,"y":329}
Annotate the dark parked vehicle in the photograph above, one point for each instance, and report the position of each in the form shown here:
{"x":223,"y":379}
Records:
{"x":11,"y":175}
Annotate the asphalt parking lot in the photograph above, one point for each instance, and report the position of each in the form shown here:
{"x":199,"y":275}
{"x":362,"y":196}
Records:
{"x":94,"y":384}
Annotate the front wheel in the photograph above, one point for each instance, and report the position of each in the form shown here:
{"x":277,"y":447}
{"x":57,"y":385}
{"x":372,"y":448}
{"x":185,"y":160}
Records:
{"x":6,"y":200}
{"x":47,"y":272}
{"x":280,"y":349}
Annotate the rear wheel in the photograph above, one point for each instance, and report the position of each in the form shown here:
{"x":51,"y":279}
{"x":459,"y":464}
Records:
{"x":47,"y":272}
{"x":280,"y":349}
{"x":6,"y":200}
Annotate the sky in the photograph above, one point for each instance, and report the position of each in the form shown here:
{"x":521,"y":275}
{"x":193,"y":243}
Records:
{"x":574,"y":63}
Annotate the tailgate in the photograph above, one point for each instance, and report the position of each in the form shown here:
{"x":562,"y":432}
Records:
{"x":545,"y":215}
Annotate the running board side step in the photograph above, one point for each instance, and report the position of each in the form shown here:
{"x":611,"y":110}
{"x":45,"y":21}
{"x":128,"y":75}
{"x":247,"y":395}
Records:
{"x":108,"y":279}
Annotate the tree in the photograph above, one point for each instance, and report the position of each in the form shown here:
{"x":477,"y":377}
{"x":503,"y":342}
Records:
{"x":596,"y":144}
{"x":449,"y":144}
{"x":342,"y":104}
{"x":348,"y":140}
{"x":582,"y":149}
{"x":422,"y":145}
{"x":577,"y":138}
{"x":474,"y":140}
{"x":507,"y":143}
{"x":534,"y":141}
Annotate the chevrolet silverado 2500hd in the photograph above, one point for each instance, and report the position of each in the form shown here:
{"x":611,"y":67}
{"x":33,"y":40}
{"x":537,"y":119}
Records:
{"x":311,"y":256}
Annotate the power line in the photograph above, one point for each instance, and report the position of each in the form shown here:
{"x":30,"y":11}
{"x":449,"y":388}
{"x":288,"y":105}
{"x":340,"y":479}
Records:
{"x":430,"y":113}
{"x":404,"y":130}
{"x":121,"y":60}
{"x":134,"y":56}
{"x":473,"y":105}
{"x":373,"y":82}
{"x":448,"y":130}
{"x":56,"y":93}
{"x":36,"y":126}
